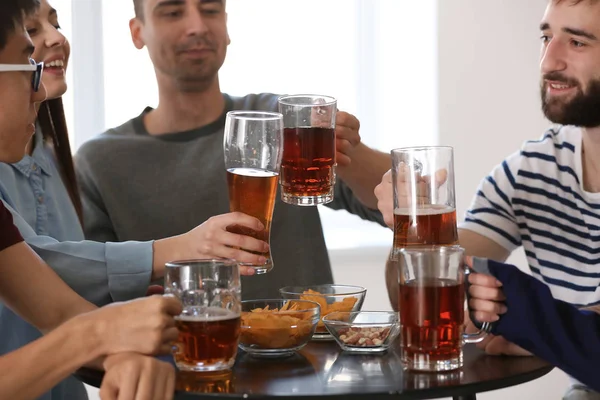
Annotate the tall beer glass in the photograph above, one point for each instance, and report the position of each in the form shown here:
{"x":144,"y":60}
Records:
{"x":253,"y":148}
{"x":424,"y":201}
{"x":308,"y":166}
{"x":209,"y":326}
{"x":432,"y":302}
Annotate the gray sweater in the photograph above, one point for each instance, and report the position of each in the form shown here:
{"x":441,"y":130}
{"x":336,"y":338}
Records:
{"x":141,"y":187}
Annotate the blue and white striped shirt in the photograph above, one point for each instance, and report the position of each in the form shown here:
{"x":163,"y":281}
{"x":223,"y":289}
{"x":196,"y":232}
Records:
{"x":536,"y":199}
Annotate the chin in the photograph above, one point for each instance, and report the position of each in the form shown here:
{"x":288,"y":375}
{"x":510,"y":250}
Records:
{"x":55,"y":91}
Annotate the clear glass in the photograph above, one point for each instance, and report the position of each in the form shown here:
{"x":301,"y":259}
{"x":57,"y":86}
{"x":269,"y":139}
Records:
{"x":363,"y":331}
{"x":308,"y":165}
{"x":253,"y":149}
{"x":432,"y":303}
{"x":424,"y":200}
{"x":331,"y":298}
{"x":209,"y":326}
{"x":276,"y":327}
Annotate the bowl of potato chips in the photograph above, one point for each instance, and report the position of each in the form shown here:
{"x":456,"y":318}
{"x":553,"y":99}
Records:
{"x":331,"y":298}
{"x":277,"y":328}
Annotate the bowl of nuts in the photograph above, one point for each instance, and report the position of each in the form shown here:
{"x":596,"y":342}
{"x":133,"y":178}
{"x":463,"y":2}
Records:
{"x":277,"y":328}
{"x":363,"y":331}
{"x":331,"y":298}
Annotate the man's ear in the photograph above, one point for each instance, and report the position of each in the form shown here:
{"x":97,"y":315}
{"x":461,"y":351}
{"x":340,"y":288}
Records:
{"x":135,"y":27}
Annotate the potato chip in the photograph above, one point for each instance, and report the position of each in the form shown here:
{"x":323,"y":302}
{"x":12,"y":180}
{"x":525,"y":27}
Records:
{"x":347,"y":304}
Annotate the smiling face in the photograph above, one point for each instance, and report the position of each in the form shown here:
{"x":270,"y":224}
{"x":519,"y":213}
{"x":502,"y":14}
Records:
{"x":51,"y":47}
{"x":17,"y":99}
{"x":187,"y":39}
{"x":570,"y":63}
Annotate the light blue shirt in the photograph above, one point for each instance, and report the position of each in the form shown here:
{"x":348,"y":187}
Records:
{"x":33,"y":191}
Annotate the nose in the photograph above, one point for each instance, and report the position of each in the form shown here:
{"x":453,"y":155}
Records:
{"x":55,"y":38}
{"x":553,"y":57}
{"x":194,"y":22}
{"x":40,"y":95}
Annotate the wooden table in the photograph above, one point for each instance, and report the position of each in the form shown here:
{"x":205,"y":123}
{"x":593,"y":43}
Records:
{"x":322,"y":371}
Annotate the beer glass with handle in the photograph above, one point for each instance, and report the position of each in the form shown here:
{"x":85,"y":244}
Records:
{"x":253,"y":148}
{"x":209,"y":326}
{"x":432,"y":303}
{"x":424,"y":200}
{"x":308,"y":166}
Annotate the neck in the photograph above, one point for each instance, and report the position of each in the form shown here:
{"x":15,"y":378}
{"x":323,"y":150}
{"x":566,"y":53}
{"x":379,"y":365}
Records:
{"x":182,"y":110}
{"x":590,"y":159}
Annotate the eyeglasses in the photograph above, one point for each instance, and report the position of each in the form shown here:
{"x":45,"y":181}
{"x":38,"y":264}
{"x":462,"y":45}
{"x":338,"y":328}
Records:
{"x":34,"y":67}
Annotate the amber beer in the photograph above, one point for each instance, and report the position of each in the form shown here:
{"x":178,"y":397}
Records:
{"x":426,"y":225}
{"x":210,"y":339}
{"x":308,"y":164}
{"x":252,"y":192}
{"x":432,"y":313}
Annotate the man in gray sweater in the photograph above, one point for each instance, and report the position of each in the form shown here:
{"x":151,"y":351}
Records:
{"x":163,"y":172}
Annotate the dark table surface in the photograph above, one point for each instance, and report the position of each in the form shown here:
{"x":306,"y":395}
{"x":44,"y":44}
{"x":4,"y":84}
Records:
{"x":322,"y":370}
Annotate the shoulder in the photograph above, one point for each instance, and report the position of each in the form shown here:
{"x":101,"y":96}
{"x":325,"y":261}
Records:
{"x":555,"y":140}
{"x":256,"y":101}
{"x":106,"y":142}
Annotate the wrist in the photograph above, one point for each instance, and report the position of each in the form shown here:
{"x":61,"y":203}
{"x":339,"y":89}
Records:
{"x":89,"y":332}
{"x":164,"y":251}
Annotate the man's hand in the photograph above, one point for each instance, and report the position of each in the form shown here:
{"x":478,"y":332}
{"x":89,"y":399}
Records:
{"x":487,"y":304}
{"x":347,"y":137}
{"x":131,"y":376}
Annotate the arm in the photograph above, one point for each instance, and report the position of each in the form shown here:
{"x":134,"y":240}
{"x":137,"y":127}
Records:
{"x":29,"y":297}
{"x":359,"y":166}
{"x":554,"y":330}
{"x":40,"y":365}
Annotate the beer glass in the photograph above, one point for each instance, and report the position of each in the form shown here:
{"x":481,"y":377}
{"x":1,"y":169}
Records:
{"x":424,"y":201}
{"x":308,"y":165}
{"x":253,"y":149}
{"x":432,"y":302}
{"x":209,"y":326}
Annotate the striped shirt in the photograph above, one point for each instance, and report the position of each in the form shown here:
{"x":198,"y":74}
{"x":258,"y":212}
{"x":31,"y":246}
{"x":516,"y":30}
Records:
{"x":535,"y":199}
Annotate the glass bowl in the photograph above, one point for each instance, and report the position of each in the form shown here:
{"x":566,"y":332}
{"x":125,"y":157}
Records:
{"x":276,"y":327}
{"x":331,"y":298}
{"x":363,"y":331}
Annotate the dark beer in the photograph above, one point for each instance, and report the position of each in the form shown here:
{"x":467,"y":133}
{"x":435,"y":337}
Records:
{"x":307,"y":168}
{"x":208,"y":341}
{"x":425,"y":225}
{"x":252,"y":192}
{"x":432,"y":319}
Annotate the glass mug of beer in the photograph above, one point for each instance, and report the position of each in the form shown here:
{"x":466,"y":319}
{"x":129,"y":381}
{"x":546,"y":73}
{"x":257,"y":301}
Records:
{"x":424,"y":201}
{"x":432,"y":302}
{"x":308,"y":165}
{"x":253,"y":146}
{"x":209,"y":326}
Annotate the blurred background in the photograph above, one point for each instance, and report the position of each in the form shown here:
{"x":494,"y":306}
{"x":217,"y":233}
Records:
{"x":462,"y":73}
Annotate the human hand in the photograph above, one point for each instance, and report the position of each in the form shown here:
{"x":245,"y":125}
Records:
{"x":213,"y":239}
{"x":145,"y":325}
{"x":347,"y":137}
{"x":132,"y":376}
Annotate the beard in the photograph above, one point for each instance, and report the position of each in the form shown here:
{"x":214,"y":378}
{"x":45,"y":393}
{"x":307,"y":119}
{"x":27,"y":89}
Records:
{"x":582,"y":110}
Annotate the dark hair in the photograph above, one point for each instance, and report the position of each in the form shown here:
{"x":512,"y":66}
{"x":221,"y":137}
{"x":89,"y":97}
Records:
{"x":51,"y":119}
{"x":12,"y":13}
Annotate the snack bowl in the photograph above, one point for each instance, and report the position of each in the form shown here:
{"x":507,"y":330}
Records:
{"x":276,"y":327}
{"x":363,"y":331}
{"x":331,"y":298}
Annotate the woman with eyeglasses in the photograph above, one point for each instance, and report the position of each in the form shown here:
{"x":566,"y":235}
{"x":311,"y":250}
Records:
{"x":118,"y":337}
{"x":42,"y":194}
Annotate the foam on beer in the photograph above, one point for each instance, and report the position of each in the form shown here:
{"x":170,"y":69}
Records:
{"x":429,"y":209}
{"x":260,"y":173}
{"x":209,"y":314}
